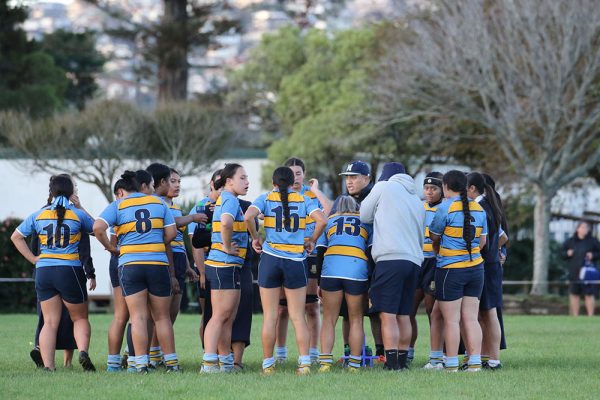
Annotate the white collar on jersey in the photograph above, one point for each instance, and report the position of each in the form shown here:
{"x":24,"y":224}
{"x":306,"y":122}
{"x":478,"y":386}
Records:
{"x":479,"y":198}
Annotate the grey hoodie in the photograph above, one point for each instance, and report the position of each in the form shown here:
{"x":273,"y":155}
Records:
{"x":398,"y":219}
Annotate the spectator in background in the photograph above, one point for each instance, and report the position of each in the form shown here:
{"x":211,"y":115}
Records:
{"x":575,"y":250}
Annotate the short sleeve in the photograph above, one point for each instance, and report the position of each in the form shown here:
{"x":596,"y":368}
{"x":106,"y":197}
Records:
{"x":312,"y":205}
{"x":109,"y":215}
{"x":27,"y":227}
{"x":438,"y":224}
{"x":192,"y":225}
{"x":168,"y":219}
{"x":484,"y":226}
{"x":260,"y":203}
{"x":230,"y":205}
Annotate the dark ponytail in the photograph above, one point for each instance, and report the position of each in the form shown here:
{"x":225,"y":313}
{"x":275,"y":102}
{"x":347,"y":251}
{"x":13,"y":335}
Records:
{"x":60,"y":185}
{"x":493,"y":193}
{"x":128,"y":182}
{"x":457,"y":182}
{"x":283,"y":178}
{"x":478,"y":180}
{"x":226,"y":173}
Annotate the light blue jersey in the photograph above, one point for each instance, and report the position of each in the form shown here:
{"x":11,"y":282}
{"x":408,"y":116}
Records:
{"x":229,"y":204}
{"x":285,"y":241}
{"x":428,"y":243}
{"x":347,"y":241}
{"x":177,"y":245}
{"x":448,"y":223}
{"x":139,"y":221}
{"x":61,"y":249}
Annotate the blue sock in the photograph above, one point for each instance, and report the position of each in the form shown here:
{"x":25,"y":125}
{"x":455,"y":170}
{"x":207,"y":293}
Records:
{"x":281,"y":352}
{"x":313,"y":352}
{"x":304,"y":361}
{"x":210,"y":359}
{"x":436,"y":357}
{"x":114,"y":361}
{"x":268,"y":362}
{"x":475,"y":361}
{"x":171,"y":360}
{"x":141,"y":361}
{"x":226,"y":362}
{"x":451,"y":362}
{"x":411,"y":353}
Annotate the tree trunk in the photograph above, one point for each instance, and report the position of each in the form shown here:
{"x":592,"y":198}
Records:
{"x":541,"y":243}
{"x":173,"y":52}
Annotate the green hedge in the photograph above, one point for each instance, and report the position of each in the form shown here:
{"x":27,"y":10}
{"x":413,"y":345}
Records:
{"x":18,"y":296}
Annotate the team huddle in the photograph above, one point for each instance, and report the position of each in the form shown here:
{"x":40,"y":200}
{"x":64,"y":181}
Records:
{"x":377,"y":251}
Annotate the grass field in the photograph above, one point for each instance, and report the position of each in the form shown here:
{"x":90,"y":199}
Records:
{"x":553,"y":357}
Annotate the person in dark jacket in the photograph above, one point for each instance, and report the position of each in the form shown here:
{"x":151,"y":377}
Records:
{"x":574,"y":250}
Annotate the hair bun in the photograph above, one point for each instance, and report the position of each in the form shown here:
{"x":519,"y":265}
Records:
{"x":128,"y":175}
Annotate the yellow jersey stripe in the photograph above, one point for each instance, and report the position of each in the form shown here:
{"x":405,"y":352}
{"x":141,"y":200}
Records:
{"x":237,"y":226}
{"x":445,"y":252}
{"x":428,"y":247}
{"x":146,"y":263}
{"x":457,"y":206}
{"x":220,"y":264}
{"x":51,"y":214}
{"x":270,"y":222}
{"x":74,"y":239}
{"x":176,"y":243}
{"x":142,"y":248}
{"x":292,"y":197}
{"x":139,"y":201}
{"x":456,"y":232}
{"x":219,"y":246}
{"x":289,"y":248}
{"x":465,"y":264}
{"x":364,"y":233}
{"x":349,"y":251}
{"x":61,"y":256}
{"x":157,"y":223}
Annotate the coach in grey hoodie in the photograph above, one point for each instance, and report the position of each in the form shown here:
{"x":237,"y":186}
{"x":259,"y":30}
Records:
{"x":398,"y":218}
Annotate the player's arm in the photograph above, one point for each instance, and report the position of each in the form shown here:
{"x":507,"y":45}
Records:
{"x":100,"y":227}
{"x":185,"y":220}
{"x":436,"y":240}
{"x":19,"y":241}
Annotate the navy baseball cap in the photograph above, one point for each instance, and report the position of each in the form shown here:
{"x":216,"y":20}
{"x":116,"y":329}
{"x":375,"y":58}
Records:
{"x":390,"y":169}
{"x":357,"y":168}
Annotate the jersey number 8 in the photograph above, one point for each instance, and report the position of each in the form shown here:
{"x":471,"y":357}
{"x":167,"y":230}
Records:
{"x":143,"y":224}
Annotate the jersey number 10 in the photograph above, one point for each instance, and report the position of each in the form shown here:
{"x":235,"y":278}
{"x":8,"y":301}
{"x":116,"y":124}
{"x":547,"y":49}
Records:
{"x":63,"y":239}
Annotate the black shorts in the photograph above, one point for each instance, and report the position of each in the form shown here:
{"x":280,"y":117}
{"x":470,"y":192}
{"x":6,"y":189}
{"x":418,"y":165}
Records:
{"x":455,"y":283}
{"x":352,"y":287}
{"x":113,"y":271}
{"x":66,"y":281}
{"x":393,"y":287}
{"x":582,"y":289}
{"x":491,"y":295}
{"x":223,"y":278}
{"x":180,"y":261}
{"x":311,"y":265}
{"x":427,"y":276}
{"x":276,"y":272}
{"x":137,"y":277}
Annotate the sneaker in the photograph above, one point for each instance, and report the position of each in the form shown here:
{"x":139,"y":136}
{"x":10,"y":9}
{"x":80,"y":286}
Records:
{"x":143,"y":370}
{"x":131,"y":369}
{"x":113,"y":369}
{"x":210,"y":369}
{"x":86,"y":363}
{"x":281,"y":360}
{"x":485,"y":365}
{"x":325,"y":368}
{"x":436,"y":367}
{"x":36,"y":356}
{"x":353,"y":370}
{"x":303,"y":370}
{"x":464,"y":364}
{"x":451,"y":369}
{"x":238,"y":367}
{"x":174,"y":369}
{"x":269,"y":370}
{"x":473,"y":368}
{"x":156,"y":364}
{"x":46,"y":369}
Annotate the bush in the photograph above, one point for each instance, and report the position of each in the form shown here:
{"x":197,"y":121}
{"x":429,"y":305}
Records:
{"x":18,"y":296}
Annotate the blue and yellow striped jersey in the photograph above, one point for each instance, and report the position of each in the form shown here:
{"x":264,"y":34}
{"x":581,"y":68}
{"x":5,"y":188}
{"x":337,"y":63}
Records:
{"x":229,"y":204}
{"x":200,"y":207}
{"x":282,"y":241}
{"x":427,"y":243}
{"x":347,"y":240}
{"x":139,"y":221}
{"x":177,"y":244}
{"x":448,"y":223}
{"x":310,"y":222}
{"x":64,"y":248}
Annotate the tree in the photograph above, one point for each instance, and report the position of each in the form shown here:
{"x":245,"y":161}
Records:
{"x":94,"y":146}
{"x":526,"y":72}
{"x":29,"y":79}
{"x":76,"y":54}
{"x":184,"y":25}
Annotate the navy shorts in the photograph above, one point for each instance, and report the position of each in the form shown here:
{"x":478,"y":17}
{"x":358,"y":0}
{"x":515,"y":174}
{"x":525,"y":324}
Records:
{"x":352,"y":287}
{"x":223,"y":278}
{"x":427,"y":276}
{"x":455,"y":283}
{"x":393,"y":286}
{"x":276,"y":272}
{"x":66,"y":281}
{"x":582,"y":289}
{"x":491,"y":295}
{"x":137,"y":277}
{"x":180,"y":261}
{"x":311,"y":265}
{"x":113,"y":271}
